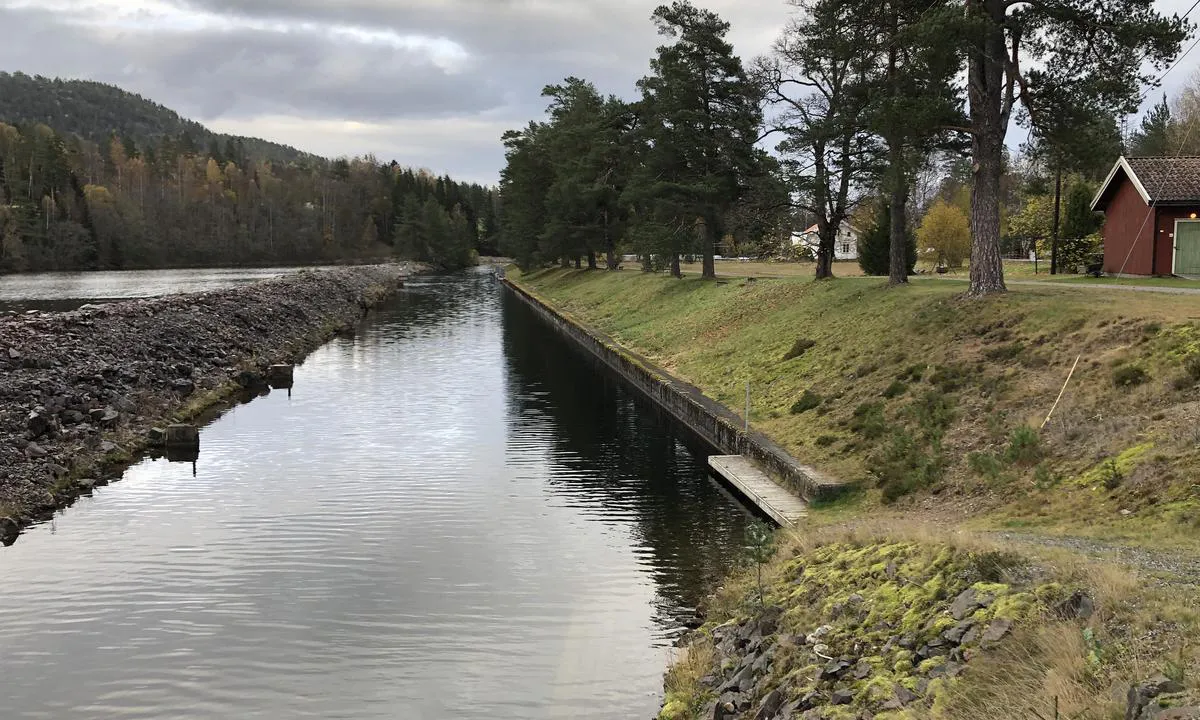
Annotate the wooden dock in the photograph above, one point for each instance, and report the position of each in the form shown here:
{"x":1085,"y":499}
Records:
{"x":786,"y":509}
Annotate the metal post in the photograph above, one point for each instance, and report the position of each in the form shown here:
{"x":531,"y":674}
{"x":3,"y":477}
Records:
{"x":747,"y":407}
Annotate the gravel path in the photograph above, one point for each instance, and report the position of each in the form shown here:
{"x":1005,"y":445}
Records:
{"x":1168,"y":567}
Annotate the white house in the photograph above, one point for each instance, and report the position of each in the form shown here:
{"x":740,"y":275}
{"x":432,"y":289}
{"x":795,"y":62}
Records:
{"x":845,"y":245}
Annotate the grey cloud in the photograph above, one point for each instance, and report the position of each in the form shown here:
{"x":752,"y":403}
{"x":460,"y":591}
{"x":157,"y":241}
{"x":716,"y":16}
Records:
{"x":243,"y":73}
{"x":237,"y":78}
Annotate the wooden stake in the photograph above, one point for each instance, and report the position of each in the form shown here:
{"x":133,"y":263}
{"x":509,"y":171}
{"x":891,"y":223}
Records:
{"x":1061,"y":393}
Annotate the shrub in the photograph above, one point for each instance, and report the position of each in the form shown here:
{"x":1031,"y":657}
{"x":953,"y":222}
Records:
{"x":868,"y":420}
{"x":1182,"y":381}
{"x":807,"y":401}
{"x":1024,"y":446}
{"x":1044,"y":479}
{"x":905,"y":465}
{"x":1192,"y":365}
{"x":1113,"y":477}
{"x":949,"y":378}
{"x":933,"y":412}
{"x":826,"y":440}
{"x":913,"y":373}
{"x":1003,"y":353}
{"x":875,"y":246}
{"x":896,"y":389}
{"x":802,"y":346}
{"x":985,"y":465}
{"x":865,"y":370}
{"x":1129,"y":375}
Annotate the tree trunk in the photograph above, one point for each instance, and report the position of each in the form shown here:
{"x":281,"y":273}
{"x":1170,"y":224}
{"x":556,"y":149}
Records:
{"x":898,"y":232}
{"x":675,"y":271}
{"x":610,"y":249}
{"x":1057,"y":215}
{"x":989,"y":123}
{"x":565,"y":263}
{"x":712,"y":236}
{"x":825,"y":254}
{"x":898,"y":258}
{"x":578,"y":263}
{"x":591,"y":259}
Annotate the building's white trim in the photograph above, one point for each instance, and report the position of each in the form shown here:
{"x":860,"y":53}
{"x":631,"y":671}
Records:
{"x":1175,"y":240}
{"x":1121,"y":164}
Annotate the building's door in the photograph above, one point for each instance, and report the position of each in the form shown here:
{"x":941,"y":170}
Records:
{"x":1187,"y":247}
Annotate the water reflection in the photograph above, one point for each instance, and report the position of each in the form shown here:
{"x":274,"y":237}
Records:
{"x":451,"y":516}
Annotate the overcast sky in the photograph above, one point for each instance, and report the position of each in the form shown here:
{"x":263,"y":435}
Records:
{"x":430,"y":83}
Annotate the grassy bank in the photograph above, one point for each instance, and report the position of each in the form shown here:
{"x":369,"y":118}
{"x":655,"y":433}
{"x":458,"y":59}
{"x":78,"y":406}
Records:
{"x":935,"y":403}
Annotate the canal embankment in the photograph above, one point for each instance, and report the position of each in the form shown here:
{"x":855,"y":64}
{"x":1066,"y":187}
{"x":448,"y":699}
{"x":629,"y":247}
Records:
{"x":713,"y":422}
{"x":901,"y":601}
{"x":82,"y":391}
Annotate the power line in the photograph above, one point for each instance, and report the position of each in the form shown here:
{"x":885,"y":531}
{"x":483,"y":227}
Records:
{"x":1177,"y":60}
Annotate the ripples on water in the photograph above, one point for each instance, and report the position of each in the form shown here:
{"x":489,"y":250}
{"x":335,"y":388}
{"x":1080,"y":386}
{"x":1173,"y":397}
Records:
{"x":453,"y":516}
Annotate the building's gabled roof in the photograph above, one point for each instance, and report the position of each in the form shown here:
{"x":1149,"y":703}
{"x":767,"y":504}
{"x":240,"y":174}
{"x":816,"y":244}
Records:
{"x":1158,"y":180}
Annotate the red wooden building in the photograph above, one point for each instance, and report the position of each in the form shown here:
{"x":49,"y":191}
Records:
{"x":1151,"y":205}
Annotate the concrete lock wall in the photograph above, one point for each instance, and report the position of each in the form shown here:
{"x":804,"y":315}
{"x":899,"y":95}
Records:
{"x":711,"y":421}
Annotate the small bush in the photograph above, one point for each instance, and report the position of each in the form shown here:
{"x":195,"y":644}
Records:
{"x":865,"y":370}
{"x":1151,"y":329}
{"x":1024,"y":446}
{"x":985,"y":464}
{"x":896,"y":389}
{"x":992,"y":566}
{"x":1191,"y":364}
{"x":1113,"y":477}
{"x":913,"y":373}
{"x":868,"y":420}
{"x":933,"y":412}
{"x":904,"y":465}
{"x":826,"y":440}
{"x":807,"y":401}
{"x":1003,"y":353}
{"x":949,"y":378}
{"x":1182,"y":381}
{"x":802,"y":346}
{"x":1044,"y":478}
{"x":1128,"y":376}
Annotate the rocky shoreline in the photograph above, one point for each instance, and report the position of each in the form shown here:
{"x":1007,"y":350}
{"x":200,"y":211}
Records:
{"x":82,"y":391}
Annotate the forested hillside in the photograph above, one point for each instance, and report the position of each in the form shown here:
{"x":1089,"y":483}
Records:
{"x":95,"y":111}
{"x":148,"y":194}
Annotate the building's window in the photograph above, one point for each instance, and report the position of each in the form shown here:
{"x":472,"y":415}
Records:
{"x":845,"y":248}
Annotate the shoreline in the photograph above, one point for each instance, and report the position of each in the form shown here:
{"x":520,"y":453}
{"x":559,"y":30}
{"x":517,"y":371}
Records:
{"x":80,"y":391}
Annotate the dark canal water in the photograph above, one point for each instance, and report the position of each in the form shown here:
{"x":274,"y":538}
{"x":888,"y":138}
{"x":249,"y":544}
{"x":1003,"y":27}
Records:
{"x":453,"y":516}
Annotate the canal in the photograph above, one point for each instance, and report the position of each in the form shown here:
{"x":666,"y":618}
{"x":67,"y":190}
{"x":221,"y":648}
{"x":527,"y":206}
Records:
{"x":453,"y":515}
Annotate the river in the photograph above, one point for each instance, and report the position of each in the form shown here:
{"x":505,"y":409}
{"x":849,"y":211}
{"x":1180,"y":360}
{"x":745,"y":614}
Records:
{"x":453,"y":515}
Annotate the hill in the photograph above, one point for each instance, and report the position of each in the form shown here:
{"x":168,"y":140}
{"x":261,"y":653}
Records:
{"x":95,"y":111}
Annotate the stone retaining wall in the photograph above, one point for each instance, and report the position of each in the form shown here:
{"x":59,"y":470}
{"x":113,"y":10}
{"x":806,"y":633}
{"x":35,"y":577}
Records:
{"x":710,"y":420}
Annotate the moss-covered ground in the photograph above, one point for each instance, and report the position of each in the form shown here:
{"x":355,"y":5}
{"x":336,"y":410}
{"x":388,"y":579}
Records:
{"x":884,"y":599}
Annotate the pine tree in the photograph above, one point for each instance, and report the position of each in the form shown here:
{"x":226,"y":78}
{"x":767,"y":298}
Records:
{"x":875,"y":246}
{"x":1153,"y":139}
{"x":700,"y":116}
